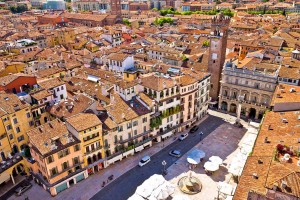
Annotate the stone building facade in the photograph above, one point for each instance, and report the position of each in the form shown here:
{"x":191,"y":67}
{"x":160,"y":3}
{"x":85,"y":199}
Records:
{"x":255,"y":86}
{"x":217,"y":50}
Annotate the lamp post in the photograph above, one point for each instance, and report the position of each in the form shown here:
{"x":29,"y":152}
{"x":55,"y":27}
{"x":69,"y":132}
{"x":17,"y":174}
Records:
{"x":164,"y":163}
{"x":201,"y":133}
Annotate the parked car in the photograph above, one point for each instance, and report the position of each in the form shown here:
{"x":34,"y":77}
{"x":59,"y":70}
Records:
{"x":175,"y":153}
{"x":183,"y":136}
{"x":144,"y":161}
{"x":194,"y":129}
{"x":20,"y":190}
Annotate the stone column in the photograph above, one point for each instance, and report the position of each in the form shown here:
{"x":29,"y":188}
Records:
{"x":12,"y":178}
{"x":256,"y":114}
{"x":247,"y":112}
{"x":228,"y":107}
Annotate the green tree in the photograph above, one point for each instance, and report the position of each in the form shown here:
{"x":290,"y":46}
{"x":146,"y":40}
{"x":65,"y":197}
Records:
{"x":126,"y":21}
{"x":205,"y":43}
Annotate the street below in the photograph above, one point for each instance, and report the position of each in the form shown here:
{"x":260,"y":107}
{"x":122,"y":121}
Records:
{"x":124,"y":186}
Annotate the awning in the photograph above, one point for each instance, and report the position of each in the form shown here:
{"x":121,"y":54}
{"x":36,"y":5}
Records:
{"x":139,"y":148}
{"x":147,"y":144}
{"x":114,"y":159}
{"x":128,"y":152}
{"x":4,"y":177}
{"x":93,"y":78}
{"x":167,"y":135}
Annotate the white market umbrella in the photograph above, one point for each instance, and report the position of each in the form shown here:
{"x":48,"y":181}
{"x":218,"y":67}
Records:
{"x":195,"y":156}
{"x":181,"y":197}
{"x":216,"y":159}
{"x":135,"y":197}
{"x":210,"y":166}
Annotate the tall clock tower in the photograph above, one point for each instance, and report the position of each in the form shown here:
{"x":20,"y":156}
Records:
{"x":217,"y":52}
{"x":115,"y":7}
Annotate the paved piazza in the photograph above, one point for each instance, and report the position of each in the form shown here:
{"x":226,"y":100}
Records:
{"x":223,"y":142}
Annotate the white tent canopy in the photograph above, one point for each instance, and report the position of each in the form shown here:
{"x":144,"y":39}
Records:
{"x":154,"y":188}
{"x":216,"y":159}
{"x":195,"y":156}
{"x":210,"y":166}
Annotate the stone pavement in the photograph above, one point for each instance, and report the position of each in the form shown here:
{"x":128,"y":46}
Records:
{"x":223,"y":142}
{"x":88,"y":188}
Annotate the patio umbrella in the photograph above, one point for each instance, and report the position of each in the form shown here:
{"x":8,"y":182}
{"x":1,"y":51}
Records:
{"x":135,"y":197}
{"x":216,"y":159}
{"x":181,"y":197}
{"x":195,"y":156}
{"x":210,"y":166}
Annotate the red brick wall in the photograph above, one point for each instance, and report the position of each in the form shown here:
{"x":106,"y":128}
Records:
{"x":18,"y":83}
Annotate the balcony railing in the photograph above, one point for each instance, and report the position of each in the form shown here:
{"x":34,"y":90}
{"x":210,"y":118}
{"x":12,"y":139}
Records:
{"x":93,"y":150}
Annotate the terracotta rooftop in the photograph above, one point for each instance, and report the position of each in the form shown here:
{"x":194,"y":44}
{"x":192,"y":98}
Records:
{"x":278,"y":128}
{"x":10,"y":103}
{"x":72,"y":106}
{"x":5,"y":80}
{"x":54,"y":132}
{"x":157,"y":83}
{"x":83,"y":121}
{"x":51,"y":83}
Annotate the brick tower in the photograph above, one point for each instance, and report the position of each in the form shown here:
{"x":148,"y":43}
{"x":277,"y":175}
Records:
{"x":115,"y":6}
{"x":217,"y":51}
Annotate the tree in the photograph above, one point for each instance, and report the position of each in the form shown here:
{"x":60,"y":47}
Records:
{"x":126,"y":21}
{"x":205,"y":43}
{"x":18,"y":9}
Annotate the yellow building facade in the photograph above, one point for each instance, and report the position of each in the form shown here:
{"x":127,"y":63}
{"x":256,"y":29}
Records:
{"x":88,"y":129}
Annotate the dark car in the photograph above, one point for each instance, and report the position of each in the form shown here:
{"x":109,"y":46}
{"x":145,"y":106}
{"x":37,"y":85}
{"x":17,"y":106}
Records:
{"x":194,"y":129}
{"x":20,"y":190}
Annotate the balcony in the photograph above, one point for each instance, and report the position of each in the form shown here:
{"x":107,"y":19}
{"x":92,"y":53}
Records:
{"x":93,"y":150}
{"x":135,"y":137}
{"x":7,"y":163}
{"x":67,"y":169}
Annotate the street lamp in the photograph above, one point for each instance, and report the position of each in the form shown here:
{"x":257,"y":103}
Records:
{"x":164,"y":163}
{"x":201,"y":133}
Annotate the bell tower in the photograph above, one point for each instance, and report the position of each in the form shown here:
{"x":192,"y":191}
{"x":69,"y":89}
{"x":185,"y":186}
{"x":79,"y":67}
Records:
{"x":115,"y":7}
{"x":217,"y":52}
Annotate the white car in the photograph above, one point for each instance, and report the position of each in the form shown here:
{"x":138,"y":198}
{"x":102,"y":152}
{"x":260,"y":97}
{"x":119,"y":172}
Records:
{"x":144,"y":161}
{"x":183,"y":136}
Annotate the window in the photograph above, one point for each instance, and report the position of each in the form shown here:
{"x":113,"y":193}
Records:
{"x":20,"y":138}
{"x":121,"y":138}
{"x":62,"y":87}
{"x":50,"y":159}
{"x":135,"y":123}
{"x":60,"y":154}
{"x":145,"y":129}
{"x":57,"y":89}
{"x":61,"y":96}
{"x":144,"y":119}
{"x":76,"y":161}
{"x":18,"y":130}
{"x":53,"y":171}
{"x":135,"y":132}
{"x":76,"y":147}
{"x":128,"y":125}
{"x":65,"y":165}
{"x":120,"y":128}
{"x":87,"y":149}
{"x":15,"y":120}
{"x":11,"y":136}
{"x":116,"y":139}
{"x":129,"y":135}
{"x":31,"y":123}
{"x":28,"y":115}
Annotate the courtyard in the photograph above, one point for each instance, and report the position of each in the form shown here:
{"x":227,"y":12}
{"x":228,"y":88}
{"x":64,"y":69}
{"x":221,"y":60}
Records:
{"x":224,"y":142}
